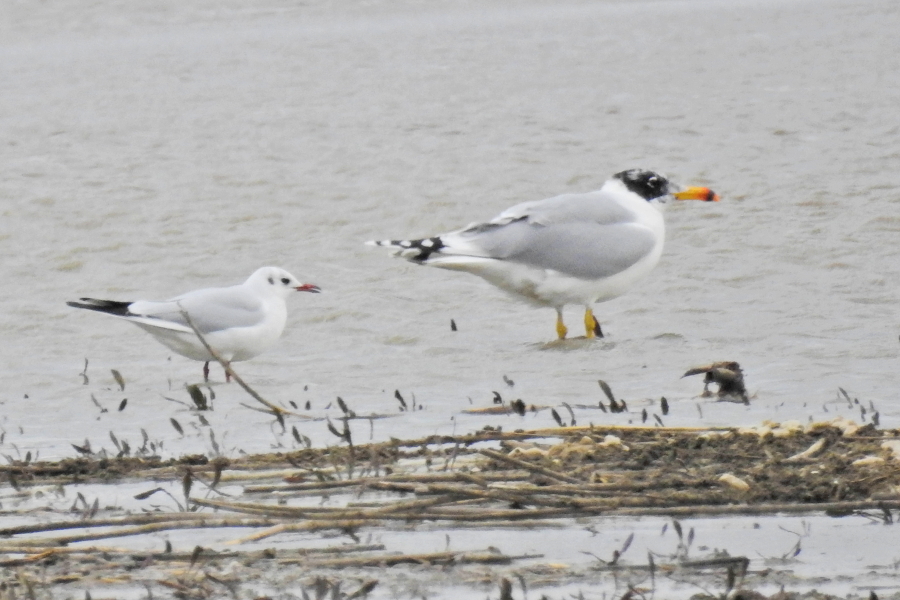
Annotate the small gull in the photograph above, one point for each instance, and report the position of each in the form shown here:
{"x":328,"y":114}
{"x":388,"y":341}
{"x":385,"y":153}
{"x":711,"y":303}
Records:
{"x":238,"y":322}
{"x":569,"y":249}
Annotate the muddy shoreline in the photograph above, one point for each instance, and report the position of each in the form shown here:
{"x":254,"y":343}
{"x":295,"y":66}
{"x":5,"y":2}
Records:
{"x":304,"y":520}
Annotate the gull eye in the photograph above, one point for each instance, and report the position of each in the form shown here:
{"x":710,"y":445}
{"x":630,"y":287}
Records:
{"x":285,"y":280}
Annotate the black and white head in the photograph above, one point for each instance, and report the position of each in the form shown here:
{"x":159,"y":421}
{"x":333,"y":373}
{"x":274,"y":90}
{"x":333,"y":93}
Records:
{"x":655,"y":188}
{"x":278,"y":281}
{"x":646,"y":184}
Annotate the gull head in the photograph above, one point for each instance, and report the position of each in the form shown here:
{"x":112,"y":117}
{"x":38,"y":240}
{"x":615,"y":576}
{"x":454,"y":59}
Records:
{"x":654,"y":187}
{"x":279,"y":282}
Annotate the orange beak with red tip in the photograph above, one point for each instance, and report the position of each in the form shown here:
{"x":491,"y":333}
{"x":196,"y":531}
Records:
{"x":308,"y":287}
{"x":697,"y":193}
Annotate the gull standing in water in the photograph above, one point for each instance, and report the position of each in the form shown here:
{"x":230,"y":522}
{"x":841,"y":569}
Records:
{"x":238,"y":322}
{"x":569,"y":249}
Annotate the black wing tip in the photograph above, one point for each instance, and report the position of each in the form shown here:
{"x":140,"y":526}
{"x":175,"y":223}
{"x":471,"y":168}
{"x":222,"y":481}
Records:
{"x":112,"y":307}
{"x":418,"y":250}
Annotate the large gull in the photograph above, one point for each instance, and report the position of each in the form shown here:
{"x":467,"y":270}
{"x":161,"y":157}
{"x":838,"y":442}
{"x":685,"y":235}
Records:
{"x":569,"y":249}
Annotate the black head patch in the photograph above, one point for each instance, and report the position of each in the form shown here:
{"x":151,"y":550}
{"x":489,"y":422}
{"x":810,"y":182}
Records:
{"x":646,"y":184}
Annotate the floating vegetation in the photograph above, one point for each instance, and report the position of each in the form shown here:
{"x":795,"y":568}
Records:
{"x":489,"y":479}
{"x":117,"y":376}
{"x":198,"y":397}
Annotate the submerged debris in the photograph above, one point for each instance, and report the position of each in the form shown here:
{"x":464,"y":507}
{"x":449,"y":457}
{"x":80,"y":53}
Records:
{"x":531,"y":480}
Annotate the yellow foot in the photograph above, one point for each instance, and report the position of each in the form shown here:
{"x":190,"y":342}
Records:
{"x":591,"y":325}
{"x":561,"y":329}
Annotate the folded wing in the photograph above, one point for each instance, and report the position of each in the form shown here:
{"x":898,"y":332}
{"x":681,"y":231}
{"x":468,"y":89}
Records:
{"x":211,"y":310}
{"x":583,"y":235}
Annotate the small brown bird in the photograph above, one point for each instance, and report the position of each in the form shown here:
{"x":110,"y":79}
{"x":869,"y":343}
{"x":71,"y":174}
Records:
{"x":728,"y":375}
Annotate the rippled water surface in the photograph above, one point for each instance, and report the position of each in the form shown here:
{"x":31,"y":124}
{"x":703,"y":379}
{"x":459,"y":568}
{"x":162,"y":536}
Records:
{"x":152,"y":148}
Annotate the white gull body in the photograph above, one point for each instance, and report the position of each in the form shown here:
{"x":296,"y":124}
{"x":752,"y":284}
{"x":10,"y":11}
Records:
{"x":238,"y":322}
{"x":569,"y":249}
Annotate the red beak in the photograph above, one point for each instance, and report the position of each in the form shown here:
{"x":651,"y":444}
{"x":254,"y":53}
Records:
{"x":308,"y":287}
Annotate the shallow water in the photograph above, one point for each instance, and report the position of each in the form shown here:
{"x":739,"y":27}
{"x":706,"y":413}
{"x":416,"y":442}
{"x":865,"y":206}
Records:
{"x":560,"y":559}
{"x":154,"y":148}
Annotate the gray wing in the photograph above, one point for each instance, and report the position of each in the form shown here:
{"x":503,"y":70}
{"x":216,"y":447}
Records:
{"x":587,"y":250}
{"x":211,"y":310}
{"x":596,"y":207}
{"x":584,"y":235}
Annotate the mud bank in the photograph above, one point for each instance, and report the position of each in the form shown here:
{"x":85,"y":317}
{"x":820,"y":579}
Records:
{"x":362,"y":520}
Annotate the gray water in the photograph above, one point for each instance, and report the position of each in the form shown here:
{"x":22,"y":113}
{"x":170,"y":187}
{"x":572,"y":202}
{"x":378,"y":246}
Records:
{"x":149,"y":148}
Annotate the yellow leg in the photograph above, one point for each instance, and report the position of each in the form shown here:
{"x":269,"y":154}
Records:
{"x":591,"y":324}
{"x":561,"y":329}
